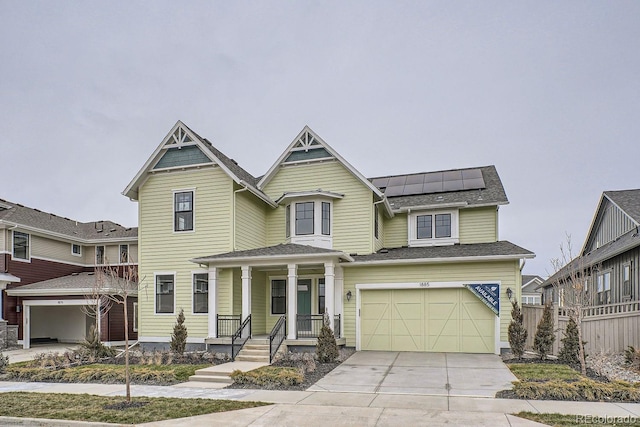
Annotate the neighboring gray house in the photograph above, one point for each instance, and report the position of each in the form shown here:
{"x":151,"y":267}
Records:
{"x":530,"y":292}
{"x":611,"y":252}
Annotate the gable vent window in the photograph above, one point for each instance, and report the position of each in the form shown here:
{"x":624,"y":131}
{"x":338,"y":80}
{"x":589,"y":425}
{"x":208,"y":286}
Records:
{"x":183,"y":213}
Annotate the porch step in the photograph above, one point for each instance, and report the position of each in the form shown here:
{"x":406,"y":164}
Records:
{"x":253,"y":358}
{"x":221,"y":373}
{"x":255,"y":350}
{"x":223,"y":379}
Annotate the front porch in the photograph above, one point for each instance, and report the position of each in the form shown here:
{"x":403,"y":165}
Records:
{"x":281,"y":293}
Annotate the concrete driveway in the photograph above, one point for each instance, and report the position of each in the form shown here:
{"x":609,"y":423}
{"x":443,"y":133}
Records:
{"x":438,"y":374}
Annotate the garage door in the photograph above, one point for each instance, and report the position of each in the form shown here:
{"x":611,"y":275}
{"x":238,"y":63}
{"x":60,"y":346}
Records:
{"x":439,"y":320}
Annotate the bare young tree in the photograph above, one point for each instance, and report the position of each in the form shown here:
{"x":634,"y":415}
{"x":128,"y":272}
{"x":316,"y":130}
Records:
{"x":570,"y":283}
{"x":113,"y":285}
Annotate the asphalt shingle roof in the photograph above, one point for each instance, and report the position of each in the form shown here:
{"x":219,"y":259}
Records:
{"x":501,"y":248}
{"x":97,"y":230}
{"x":493,"y":193}
{"x":282,"y":250}
{"x":78,"y":283}
{"x":628,"y":201}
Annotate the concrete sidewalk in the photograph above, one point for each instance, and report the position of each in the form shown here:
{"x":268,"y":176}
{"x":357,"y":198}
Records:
{"x":316,"y":408}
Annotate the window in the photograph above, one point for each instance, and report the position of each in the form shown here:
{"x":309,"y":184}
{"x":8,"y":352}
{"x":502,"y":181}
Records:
{"x":201,"y":293}
{"x":376,"y":223}
{"x":321,"y":293}
{"x":604,"y":287}
{"x":326,"y":218}
{"x":433,"y":228}
{"x":21,"y":245}
{"x":99,"y":255}
{"x":135,"y":317}
{"x":626,"y":280}
{"x":164,"y":293}
{"x":183,"y":211}
{"x":278,"y":296}
{"x":287,"y":221}
{"x":124,"y":254}
{"x":424,"y":226}
{"x":304,"y":218}
{"x":76,"y":249}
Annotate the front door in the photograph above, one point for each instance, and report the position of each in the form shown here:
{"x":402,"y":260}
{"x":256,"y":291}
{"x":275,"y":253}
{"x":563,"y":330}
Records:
{"x":304,"y":305}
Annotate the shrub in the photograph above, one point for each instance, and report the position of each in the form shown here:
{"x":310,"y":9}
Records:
{"x":583,"y":389}
{"x":632,"y":357}
{"x":94,"y":347}
{"x":517,"y":331}
{"x":570,"y":351}
{"x":544,"y":338}
{"x":269,"y":377}
{"x":4,"y":362}
{"x":179,"y":335}
{"x":326,"y":348}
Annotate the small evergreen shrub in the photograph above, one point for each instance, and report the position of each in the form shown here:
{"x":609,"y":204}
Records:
{"x":544,"y":338}
{"x":570,"y":351}
{"x":4,"y":362}
{"x":179,"y":335}
{"x":326,"y":348}
{"x":93,"y":347}
{"x":632,"y":357}
{"x":517,"y":331}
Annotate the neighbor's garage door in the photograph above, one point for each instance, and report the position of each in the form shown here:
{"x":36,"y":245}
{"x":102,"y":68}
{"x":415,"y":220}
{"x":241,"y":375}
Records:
{"x":439,"y":320}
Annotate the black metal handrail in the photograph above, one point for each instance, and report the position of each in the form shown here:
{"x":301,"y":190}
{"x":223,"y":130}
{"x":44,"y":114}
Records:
{"x":227,"y":324}
{"x":309,"y":325}
{"x":277,"y":336}
{"x":240,"y":337}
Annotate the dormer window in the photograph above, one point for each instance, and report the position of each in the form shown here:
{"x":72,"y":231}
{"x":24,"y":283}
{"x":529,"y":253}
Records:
{"x":307,"y":218}
{"x":433,"y":228}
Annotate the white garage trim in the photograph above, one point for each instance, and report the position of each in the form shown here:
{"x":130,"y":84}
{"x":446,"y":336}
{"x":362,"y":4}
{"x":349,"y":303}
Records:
{"x":26,"y":334}
{"x":420,"y":285}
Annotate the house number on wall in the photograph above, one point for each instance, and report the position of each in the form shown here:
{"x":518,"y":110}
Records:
{"x":423,"y":284}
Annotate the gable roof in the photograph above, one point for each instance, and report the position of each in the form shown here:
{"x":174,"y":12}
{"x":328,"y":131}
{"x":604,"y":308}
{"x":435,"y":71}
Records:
{"x":628,"y":201}
{"x":215,"y":156}
{"x":313,"y":142}
{"x":491,"y":194}
{"x":528,"y":281}
{"x":31,"y":219}
{"x":73,"y":284}
{"x":281,"y":251}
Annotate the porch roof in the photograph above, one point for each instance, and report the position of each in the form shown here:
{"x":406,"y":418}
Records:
{"x":281,"y":253}
{"x":74,"y":284}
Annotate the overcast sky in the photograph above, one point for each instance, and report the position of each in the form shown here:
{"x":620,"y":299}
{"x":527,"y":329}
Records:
{"x":547,"y":91}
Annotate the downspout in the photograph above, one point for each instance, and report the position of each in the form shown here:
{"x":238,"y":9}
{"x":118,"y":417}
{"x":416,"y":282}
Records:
{"x":233,"y":232}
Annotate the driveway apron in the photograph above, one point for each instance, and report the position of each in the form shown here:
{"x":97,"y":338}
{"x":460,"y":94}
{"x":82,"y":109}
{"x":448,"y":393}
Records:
{"x":437,"y":374}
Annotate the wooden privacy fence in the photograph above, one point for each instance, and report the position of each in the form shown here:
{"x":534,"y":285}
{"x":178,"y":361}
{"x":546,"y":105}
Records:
{"x":609,"y":328}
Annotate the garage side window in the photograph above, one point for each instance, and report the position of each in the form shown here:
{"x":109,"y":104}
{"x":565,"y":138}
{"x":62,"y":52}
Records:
{"x":164,"y":293}
{"x":278,"y":296}
{"x":21,"y":246}
{"x":201,"y":293}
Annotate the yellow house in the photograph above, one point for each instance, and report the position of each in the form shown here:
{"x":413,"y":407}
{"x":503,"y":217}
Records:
{"x":409,"y":262}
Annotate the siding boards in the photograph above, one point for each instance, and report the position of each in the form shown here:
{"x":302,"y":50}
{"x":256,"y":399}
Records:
{"x":352,"y":215}
{"x":611,"y":223}
{"x":251,"y":227}
{"x":506,"y":272}
{"x":163,"y":250}
{"x":478,"y":225}
{"x":258,"y":308}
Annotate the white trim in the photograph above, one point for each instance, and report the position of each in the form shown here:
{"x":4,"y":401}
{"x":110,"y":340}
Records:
{"x":64,"y":237}
{"x":422,"y":285}
{"x":134,"y":325}
{"x":439,"y":260}
{"x":268,"y":260}
{"x":193,"y":210}
{"x":412,"y":226}
{"x":193,"y":275}
{"x":13,"y":246}
{"x":155,"y":291}
{"x":309,"y":195}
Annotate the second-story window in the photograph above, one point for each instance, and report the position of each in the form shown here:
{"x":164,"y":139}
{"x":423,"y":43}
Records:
{"x":287,"y":221}
{"x":124,"y":254}
{"x":183,"y":211}
{"x":326,"y":218}
{"x":21,"y":246}
{"x":304,"y":218}
{"x":99,"y":255}
{"x":76,"y":249}
{"x":433,"y":228}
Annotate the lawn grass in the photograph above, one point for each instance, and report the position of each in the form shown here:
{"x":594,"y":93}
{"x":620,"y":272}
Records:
{"x":85,"y":407}
{"x":543,"y":372}
{"x":560,"y":420}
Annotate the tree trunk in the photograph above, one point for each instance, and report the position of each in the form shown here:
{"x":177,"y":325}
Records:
{"x":583,"y":363}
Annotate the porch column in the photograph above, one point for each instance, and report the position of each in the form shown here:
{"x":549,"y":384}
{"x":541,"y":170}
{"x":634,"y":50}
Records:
{"x":26,"y":326}
{"x":212,"y":301}
{"x":292,"y":301}
{"x":98,"y":318}
{"x":329,"y":296}
{"x":246,"y":291}
{"x":339,"y":296}
{"x":2,"y":288}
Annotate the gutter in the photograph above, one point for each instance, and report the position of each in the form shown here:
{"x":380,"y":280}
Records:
{"x":66,"y":237}
{"x":438,"y":260}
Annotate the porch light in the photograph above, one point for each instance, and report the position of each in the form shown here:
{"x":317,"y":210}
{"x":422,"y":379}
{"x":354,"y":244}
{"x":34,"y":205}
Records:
{"x":509,"y":293}
{"x":348,"y":295}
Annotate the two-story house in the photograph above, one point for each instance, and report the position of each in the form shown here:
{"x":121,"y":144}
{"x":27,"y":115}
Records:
{"x":47,"y":279}
{"x":609,"y":258}
{"x":410,"y":262}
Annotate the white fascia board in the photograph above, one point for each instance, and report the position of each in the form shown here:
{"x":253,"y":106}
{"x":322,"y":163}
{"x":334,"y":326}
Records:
{"x":259,"y":194}
{"x":438,"y":260}
{"x":317,"y":193}
{"x":272,"y":260}
{"x":21,"y":292}
{"x":66,"y":238}
{"x":431,"y":207}
{"x":272,"y":171}
{"x":8,"y":277}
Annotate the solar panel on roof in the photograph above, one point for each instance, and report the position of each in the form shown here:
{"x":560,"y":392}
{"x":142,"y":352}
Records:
{"x":453,"y":185}
{"x":415,"y":179}
{"x":428,"y":183}
{"x":397,"y":180}
{"x":394,"y":191}
{"x":380,"y":182}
